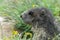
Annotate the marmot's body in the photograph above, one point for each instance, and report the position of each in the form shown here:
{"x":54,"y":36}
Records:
{"x":42,"y":21}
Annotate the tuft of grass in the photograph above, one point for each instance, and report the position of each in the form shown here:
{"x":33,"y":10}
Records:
{"x":14,"y":8}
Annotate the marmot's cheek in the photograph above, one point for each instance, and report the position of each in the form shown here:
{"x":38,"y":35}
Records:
{"x":28,"y":22}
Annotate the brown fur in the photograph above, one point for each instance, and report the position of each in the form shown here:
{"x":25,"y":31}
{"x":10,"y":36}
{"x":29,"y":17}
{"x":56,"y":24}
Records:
{"x":42,"y":21}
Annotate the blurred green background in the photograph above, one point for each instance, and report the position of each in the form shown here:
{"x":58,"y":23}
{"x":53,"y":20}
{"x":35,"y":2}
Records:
{"x":14,"y":8}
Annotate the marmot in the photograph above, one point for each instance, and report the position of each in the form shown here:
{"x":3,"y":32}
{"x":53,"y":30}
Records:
{"x":42,"y":22}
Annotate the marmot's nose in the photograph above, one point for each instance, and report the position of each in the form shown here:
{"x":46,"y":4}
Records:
{"x":21,"y":16}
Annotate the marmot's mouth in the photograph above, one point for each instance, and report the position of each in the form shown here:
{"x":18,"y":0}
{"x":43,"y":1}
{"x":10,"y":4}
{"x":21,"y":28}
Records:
{"x":28,"y":23}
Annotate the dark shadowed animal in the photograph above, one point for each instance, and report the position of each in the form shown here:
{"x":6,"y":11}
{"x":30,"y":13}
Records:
{"x":42,"y":22}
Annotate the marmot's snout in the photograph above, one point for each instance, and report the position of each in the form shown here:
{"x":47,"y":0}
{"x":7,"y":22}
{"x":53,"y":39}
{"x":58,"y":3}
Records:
{"x":21,"y":16}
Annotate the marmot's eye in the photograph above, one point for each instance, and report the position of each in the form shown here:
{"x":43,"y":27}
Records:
{"x":30,"y":13}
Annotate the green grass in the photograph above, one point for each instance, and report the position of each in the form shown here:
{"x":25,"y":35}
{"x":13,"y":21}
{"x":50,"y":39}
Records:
{"x":14,"y":8}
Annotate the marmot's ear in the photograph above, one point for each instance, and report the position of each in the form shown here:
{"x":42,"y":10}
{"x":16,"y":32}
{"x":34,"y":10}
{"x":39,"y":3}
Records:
{"x":42,"y":11}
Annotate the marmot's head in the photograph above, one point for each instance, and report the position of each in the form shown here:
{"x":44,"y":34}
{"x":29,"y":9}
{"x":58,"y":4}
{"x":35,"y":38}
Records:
{"x":41,"y":15}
